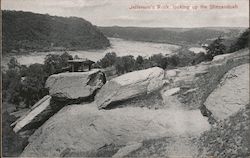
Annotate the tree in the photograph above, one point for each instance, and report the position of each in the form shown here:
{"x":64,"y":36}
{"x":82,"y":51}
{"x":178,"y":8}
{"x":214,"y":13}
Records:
{"x":54,"y":63}
{"x":108,"y":60}
{"x":125,"y":64}
{"x":11,"y":82}
{"x":65,"y":57}
{"x":215,"y":48}
{"x":11,"y":86}
{"x":242,"y":42}
{"x":32,"y":90}
{"x":139,"y":62}
{"x":171,"y":61}
{"x":32,"y":87}
{"x":13,"y":63}
{"x":156,"y":60}
{"x":23,"y":70}
{"x":76,"y":57}
{"x":198,"y":58}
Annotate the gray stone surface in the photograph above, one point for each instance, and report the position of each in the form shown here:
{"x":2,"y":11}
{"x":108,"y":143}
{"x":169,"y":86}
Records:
{"x":38,"y":113}
{"x":231,"y":94}
{"x":75,"y":85}
{"x":130,"y":85}
{"x":82,"y":128}
{"x":197,"y":82}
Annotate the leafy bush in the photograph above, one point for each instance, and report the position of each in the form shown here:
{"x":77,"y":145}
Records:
{"x":11,"y":81}
{"x":125,"y":64}
{"x":108,"y":60}
{"x":32,"y":86}
{"x":242,"y":42}
{"x":215,"y":48}
{"x":200,"y":57}
{"x":55,"y":63}
{"x":13,"y":64}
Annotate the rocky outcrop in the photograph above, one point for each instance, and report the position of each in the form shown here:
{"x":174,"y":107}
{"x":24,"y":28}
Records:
{"x":129,"y":148}
{"x":229,"y":138}
{"x":195,"y":83}
{"x":64,"y":88}
{"x":80,"y":86}
{"x":129,"y":86}
{"x":231,"y":94}
{"x":75,"y":129}
{"x":135,"y":129}
{"x":174,"y":146}
{"x":38,"y":113}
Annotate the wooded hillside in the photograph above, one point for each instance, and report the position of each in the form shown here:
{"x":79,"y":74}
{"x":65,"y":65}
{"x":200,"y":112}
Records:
{"x":26,"y":31}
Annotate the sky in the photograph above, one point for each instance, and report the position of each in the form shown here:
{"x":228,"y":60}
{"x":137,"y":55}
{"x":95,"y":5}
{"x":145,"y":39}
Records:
{"x":142,"y":13}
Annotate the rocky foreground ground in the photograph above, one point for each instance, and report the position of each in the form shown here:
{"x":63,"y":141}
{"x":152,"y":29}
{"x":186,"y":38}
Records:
{"x":195,"y":111}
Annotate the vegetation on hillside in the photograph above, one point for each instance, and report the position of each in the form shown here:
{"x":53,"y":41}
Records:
{"x":180,"y":36}
{"x":124,"y":64}
{"x":215,"y":48}
{"x":12,"y":144}
{"x":242,"y":42}
{"x":26,"y":31}
{"x":24,"y":86}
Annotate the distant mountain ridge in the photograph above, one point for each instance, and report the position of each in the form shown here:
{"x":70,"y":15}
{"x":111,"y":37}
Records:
{"x":181,"y":36}
{"x":26,"y":31}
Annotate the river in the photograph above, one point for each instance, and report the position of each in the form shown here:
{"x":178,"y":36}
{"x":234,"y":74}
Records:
{"x":120,"y":46}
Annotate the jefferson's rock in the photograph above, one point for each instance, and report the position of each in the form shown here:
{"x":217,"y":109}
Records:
{"x":75,"y":85}
{"x":37,"y":114}
{"x":231,"y":94}
{"x":129,"y":86}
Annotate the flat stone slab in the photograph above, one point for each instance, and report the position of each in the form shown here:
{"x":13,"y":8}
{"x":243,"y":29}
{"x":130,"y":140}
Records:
{"x":130,"y":85}
{"x":75,"y":85}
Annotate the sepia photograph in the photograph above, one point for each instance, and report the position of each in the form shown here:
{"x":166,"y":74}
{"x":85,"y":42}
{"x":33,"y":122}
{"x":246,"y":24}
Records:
{"x":125,"y":78}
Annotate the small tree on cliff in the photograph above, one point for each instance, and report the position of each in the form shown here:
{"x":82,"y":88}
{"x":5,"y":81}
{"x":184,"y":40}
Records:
{"x":242,"y":42}
{"x":215,"y":48}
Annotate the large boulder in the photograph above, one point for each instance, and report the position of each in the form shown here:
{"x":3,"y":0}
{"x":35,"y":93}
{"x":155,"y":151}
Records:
{"x":36,"y":115}
{"x":231,"y":94}
{"x":195,"y":83}
{"x":77,"y":130}
{"x":75,"y":85}
{"x":129,"y":86}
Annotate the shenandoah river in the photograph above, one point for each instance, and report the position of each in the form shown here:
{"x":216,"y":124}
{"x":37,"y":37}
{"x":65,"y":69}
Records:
{"x":120,"y":46}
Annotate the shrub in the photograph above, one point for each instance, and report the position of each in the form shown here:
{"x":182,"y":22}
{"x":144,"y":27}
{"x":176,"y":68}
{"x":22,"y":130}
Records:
{"x":242,"y":42}
{"x":108,"y":60}
{"x":13,"y":64}
{"x":215,"y":48}
{"x":11,"y":81}
{"x":139,"y":62}
{"x":54,"y":63}
{"x":32,"y":86}
{"x":125,"y":64}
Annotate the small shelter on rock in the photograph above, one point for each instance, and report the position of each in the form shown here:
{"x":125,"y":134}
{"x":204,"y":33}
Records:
{"x":82,"y":64}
